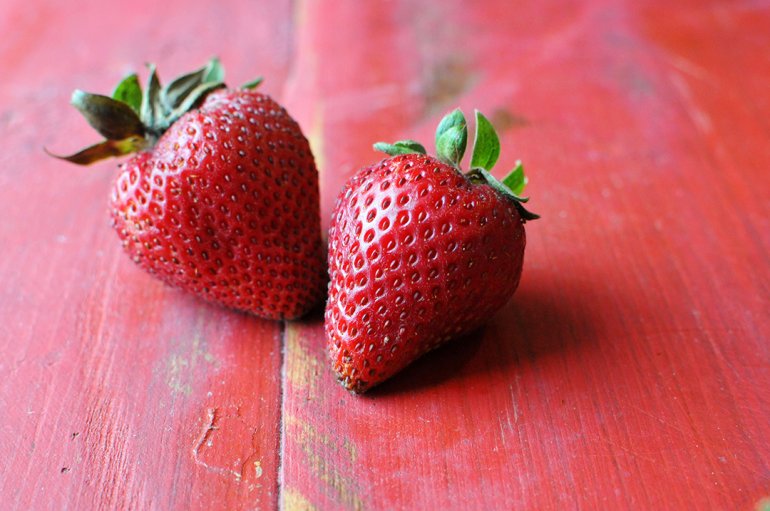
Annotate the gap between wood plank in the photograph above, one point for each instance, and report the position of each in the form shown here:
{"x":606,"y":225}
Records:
{"x":281,"y":414}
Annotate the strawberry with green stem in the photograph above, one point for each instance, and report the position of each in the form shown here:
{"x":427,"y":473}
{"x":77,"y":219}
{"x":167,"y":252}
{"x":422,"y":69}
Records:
{"x":220,"y":195}
{"x":420,"y":252}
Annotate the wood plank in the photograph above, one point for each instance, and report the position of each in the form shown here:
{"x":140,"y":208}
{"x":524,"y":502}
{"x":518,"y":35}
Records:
{"x":630,"y":370}
{"x":119,"y":392}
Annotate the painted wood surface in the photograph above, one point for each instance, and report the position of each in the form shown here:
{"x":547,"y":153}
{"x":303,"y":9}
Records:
{"x":118,"y":392}
{"x":630,"y":371}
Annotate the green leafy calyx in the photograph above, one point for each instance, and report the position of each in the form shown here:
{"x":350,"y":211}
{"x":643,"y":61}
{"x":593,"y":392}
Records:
{"x":486,"y":146}
{"x":253,"y":84}
{"x":129,"y":92}
{"x":400,"y":147}
{"x":451,"y":141}
{"x":132,"y":120}
{"x":451,"y":138}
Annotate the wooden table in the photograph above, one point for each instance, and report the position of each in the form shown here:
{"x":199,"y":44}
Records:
{"x":630,"y":371}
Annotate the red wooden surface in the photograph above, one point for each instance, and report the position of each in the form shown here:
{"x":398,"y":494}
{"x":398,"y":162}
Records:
{"x":117,"y":392}
{"x":630,"y":371}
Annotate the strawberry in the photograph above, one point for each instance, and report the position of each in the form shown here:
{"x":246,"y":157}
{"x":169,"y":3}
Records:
{"x":221,"y":198}
{"x":420,"y":253}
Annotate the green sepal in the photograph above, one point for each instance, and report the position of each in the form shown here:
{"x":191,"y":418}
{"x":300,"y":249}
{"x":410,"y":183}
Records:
{"x":452,"y":138}
{"x":133,"y":120}
{"x":152,"y":107}
{"x":176,"y":91}
{"x":189,"y":101}
{"x":486,"y":145}
{"x":400,"y":147}
{"x":113,"y":119}
{"x":763,"y":504}
{"x":516,"y":181}
{"x":482,"y":175}
{"x":102,"y":150}
{"x":214,"y":71}
{"x":450,"y":148}
{"x":129,"y":92}
{"x":253,"y":84}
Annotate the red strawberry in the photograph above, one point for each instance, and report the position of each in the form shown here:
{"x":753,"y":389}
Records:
{"x":420,"y":253}
{"x":222,"y":197}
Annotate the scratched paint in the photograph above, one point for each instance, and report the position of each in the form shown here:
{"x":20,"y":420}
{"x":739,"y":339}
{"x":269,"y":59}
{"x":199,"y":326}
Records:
{"x":228,"y":445}
{"x":318,"y":448}
{"x":181,"y":367}
{"x":292,"y":500}
{"x":303,"y":368}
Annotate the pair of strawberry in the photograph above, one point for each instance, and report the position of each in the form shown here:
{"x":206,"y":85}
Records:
{"x":221,"y":199}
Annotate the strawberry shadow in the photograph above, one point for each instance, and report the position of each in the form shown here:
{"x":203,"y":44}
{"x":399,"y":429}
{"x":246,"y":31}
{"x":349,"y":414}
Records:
{"x":433,"y":368}
{"x":534,"y":325}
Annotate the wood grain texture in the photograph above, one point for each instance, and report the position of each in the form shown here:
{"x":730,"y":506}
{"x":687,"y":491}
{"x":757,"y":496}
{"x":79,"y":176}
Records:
{"x":119,"y":392}
{"x":630,"y":371}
